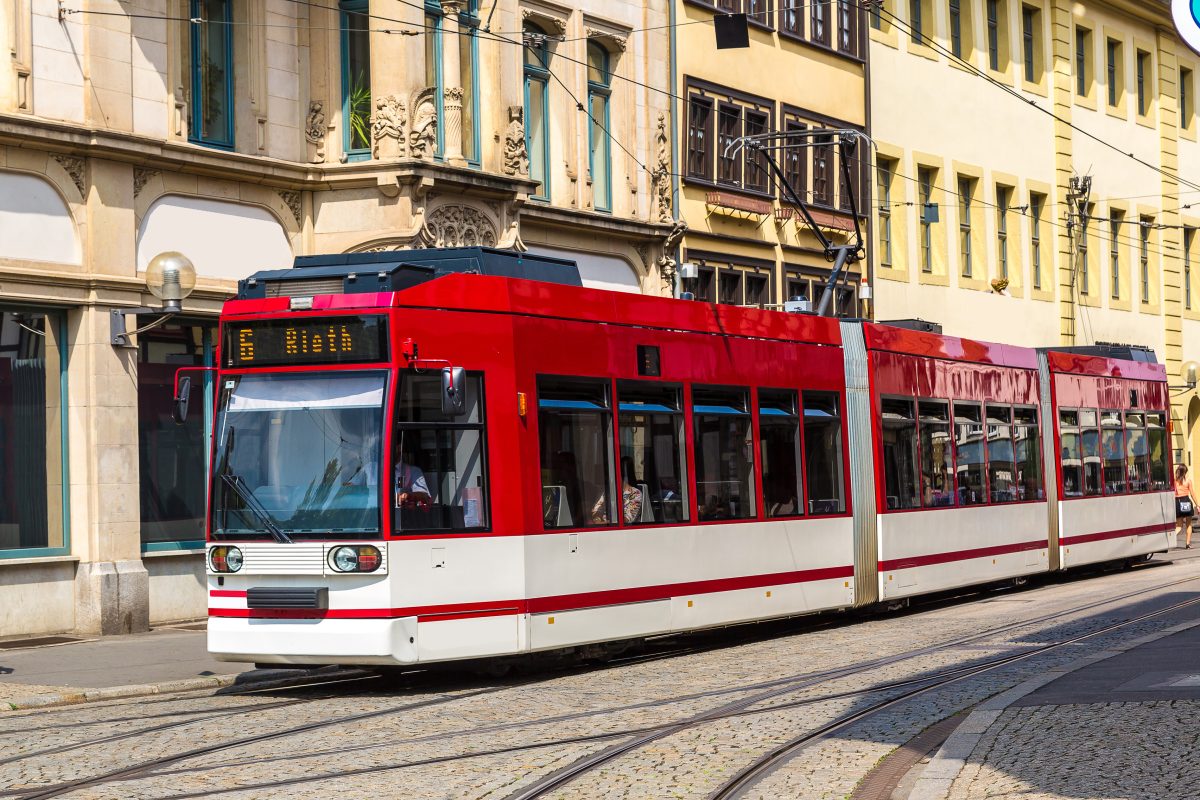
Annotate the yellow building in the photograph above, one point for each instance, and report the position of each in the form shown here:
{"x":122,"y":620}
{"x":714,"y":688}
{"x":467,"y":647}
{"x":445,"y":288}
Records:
{"x":804,"y":68}
{"x":244,"y":133}
{"x":1037,"y":165}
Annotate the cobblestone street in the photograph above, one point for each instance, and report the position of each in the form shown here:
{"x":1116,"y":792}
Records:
{"x":455,"y":736}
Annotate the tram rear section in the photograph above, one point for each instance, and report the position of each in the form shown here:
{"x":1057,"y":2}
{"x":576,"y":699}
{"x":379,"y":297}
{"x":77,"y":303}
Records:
{"x":456,"y":466}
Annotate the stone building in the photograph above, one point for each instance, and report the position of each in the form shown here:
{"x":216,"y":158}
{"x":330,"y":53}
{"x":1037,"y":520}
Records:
{"x":805,"y":69}
{"x":1044,"y":194}
{"x":243,"y":133}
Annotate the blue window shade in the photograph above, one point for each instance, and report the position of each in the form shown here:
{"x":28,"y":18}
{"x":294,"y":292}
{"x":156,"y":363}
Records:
{"x":571,"y":405}
{"x":718,"y":410}
{"x":648,"y":408}
{"x":356,"y":80}
{"x":775,"y":412}
{"x":817,"y":413}
{"x":211,"y":109}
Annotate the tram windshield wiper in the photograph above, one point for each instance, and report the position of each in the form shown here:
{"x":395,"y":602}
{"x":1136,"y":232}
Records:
{"x":235,"y":482}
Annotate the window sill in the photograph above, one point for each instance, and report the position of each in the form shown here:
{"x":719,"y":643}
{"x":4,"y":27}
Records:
{"x":168,"y":553}
{"x":32,"y":560}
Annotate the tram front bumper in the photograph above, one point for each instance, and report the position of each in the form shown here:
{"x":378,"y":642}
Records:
{"x":313,"y":641}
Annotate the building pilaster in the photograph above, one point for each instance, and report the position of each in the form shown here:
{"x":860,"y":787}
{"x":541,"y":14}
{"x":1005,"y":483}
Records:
{"x":452,"y":92}
{"x":1061,"y":88}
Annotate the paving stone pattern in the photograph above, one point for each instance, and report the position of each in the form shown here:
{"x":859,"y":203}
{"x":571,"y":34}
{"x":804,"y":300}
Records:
{"x":488,"y":745}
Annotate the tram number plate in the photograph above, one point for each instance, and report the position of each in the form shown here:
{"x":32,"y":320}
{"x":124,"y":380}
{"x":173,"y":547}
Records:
{"x":314,"y":340}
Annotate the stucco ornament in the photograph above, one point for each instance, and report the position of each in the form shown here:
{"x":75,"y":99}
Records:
{"x":397,"y":133}
{"x":75,"y":168}
{"x":314,"y":131}
{"x":387,"y":127}
{"x":422,"y":138}
{"x":660,"y":177}
{"x":666,"y":262}
{"x":460,"y":226}
{"x":516,"y":156}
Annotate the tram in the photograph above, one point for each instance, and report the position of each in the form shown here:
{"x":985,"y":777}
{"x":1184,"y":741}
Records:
{"x":431,"y":455}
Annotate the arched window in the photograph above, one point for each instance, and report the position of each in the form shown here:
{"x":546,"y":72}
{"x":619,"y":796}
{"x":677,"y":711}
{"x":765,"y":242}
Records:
{"x":356,"y":80}
{"x":537,"y":103}
{"x":599,"y":149}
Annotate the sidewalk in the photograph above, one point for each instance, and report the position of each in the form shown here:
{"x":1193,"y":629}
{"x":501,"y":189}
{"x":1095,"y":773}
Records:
{"x":165,"y":659}
{"x":1122,"y":724}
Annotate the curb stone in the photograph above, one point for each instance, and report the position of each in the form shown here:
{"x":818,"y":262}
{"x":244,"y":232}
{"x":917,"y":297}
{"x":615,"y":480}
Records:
{"x":951,"y":759}
{"x":270,"y":681}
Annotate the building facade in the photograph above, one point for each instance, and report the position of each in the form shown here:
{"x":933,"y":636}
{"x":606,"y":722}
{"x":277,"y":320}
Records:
{"x":1043,"y":193}
{"x":805,"y":69}
{"x":243,"y":133}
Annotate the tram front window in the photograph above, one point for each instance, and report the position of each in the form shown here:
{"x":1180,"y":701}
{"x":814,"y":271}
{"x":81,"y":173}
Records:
{"x":298,"y":456}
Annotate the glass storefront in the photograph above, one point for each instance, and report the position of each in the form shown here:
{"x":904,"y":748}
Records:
{"x":172,"y":458}
{"x":32,"y":470}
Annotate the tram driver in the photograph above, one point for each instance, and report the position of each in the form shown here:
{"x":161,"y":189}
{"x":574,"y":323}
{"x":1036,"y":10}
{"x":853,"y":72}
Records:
{"x":411,"y":489}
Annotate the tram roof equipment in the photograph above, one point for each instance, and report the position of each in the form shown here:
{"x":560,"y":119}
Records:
{"x":395,"y":270}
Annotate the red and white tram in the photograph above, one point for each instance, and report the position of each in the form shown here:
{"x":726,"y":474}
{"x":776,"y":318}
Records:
{"x":414,"y":464}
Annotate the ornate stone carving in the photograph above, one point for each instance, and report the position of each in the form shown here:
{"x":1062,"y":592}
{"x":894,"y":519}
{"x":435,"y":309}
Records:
{"x":558,"y":23}
{"x":516,"y":156}
{"x":396,"y":133}
{"x":460,"y":226}
{"x":666,"y":262}
{"x":607,"y":37}
{"x":292,"y":200}
{"x":315,"y":130}
{"x":140,"y":178}
{"x":75,"y":167}
{"x":660,"y":176}
{"x":510,"y":222}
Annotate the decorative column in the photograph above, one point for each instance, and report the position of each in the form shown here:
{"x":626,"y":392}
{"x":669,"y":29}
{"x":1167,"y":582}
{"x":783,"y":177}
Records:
{"x":452,"y":93}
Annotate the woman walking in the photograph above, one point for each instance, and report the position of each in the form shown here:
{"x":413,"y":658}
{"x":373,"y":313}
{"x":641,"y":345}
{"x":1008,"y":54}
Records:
{"x":1185,"y":505}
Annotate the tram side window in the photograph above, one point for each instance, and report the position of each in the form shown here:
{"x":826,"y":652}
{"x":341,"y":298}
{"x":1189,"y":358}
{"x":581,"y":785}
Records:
{"x":724,"y":453}
{"x":1071,"y":454}
{"x":779,"y":441}
{"x":575,"y":432}
{"x":1137,"y":452}
{"x":1112,"y":446}
{"x":1001,"y":470}
{"x":1156,"y":441}
{"x":823,"y":453}
{"x":900,"y":453}
{"x":650,"y":429}
{"x":439,"y":471}
{"x":969,"y":451}
{"x":1027,"y":454}
{"x":937,"y":454}
{"x":1090,"y":436}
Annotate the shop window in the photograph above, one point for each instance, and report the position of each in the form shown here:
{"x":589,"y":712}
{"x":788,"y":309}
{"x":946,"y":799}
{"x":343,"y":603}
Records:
{"x":32,"y":435}
{"x":1112,"y":443}
{"x":446,"y":452}
{"x":537,"y":109}
{"x":356,"y":80}
{"x":823,"y":453}
{"x":575,"y":433}
{"x":173,"y":458}
{"x":779,"y":444}
{"x":900,"y":453}
{"x":724,"y":453}
{"x":212,"y":73}
{"x":937,"y":454}
{"x":1001,"y":466}
{"x":1027,"y":455}
{"x":969,"y":451}
{"x":650,"y":430}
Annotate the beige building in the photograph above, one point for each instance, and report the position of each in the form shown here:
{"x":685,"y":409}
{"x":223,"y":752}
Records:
{"x":244,"y":133}
{"x":1037,"y":167}
{"x":805,"y":68}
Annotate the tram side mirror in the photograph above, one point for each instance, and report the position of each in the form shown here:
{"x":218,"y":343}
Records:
{"x":180,"y":410}
{"x":454,"y":391}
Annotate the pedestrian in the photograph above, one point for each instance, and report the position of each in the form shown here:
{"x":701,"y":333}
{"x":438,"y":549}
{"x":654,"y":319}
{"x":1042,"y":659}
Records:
{"x":1185,"y":505}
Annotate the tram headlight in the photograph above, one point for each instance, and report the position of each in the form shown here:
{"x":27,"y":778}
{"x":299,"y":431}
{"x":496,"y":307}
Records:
{"x":355,"y":558}
{"x":225,"y":559}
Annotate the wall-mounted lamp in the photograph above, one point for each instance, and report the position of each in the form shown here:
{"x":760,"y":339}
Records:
{"x":1188,"y":371}
{"x":170,"y":277}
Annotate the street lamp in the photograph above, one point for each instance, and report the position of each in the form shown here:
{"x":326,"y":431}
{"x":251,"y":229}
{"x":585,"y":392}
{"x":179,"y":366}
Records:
{"x":170,"y":277}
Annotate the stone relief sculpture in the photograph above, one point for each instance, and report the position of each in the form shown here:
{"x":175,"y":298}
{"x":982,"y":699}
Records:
{"x":666,"y":262}
{"x":405,"y":130}
{"x":387,"y":127}
{"x":516,"y":156}
{"x":660,"y":177}
{"x":314,"y":131}
{"x":460,"y":226}
{"x":422,"y":137}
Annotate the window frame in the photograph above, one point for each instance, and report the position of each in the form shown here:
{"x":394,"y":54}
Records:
{"x":680,"y":416}
{"x":538,"y":74}
{"x":196,"y":106}
{"x":597,"y":90}
{"x":797,"y":417}
{"x":346,"y":9}
{"x":1116,"y":218}
{"x":609,"y":439}
{"x":1003,"y":205}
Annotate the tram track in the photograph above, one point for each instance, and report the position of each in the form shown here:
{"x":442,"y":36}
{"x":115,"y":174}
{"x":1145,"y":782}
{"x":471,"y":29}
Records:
{"x":642,"y":736}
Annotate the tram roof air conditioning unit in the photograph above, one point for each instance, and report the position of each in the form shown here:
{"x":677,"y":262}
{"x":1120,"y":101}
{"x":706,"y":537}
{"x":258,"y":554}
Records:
{"x":394,"y":271}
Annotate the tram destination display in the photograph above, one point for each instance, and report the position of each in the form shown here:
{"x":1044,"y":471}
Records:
{"x":312,"y":340}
